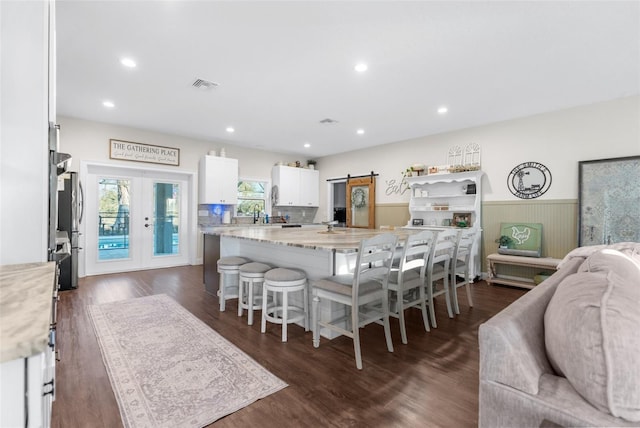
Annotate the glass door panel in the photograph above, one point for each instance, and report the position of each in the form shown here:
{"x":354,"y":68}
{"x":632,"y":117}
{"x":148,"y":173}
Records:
{"x":166,"y":219}
{"x":361,"y":195}
{"x":113,"y":218}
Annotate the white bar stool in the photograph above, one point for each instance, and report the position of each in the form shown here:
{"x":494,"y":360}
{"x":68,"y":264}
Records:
{"x":251,"y":277}
{"x":229,"y":268}
{"x":284,"y":281}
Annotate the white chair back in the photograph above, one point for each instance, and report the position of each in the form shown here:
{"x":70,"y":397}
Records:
{"x":374,"y":259}
{"x":416,"y":252}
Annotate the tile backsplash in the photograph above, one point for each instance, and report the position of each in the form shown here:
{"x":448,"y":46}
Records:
{"x":212,"y":215}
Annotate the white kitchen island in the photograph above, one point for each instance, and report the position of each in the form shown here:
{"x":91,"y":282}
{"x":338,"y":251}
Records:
{"x":314,"y":250}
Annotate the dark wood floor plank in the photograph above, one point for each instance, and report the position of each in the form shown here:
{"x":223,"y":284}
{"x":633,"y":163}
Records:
{"x":432,"y":381}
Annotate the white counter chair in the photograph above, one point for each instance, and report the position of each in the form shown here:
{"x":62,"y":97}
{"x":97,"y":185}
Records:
{"x":407,"y":280}
{"x":367,"y":286}
{"x":250,"y":288}
{"x":460,"y":267}
{"x":280,"y":282}
{"x":229,"y":270}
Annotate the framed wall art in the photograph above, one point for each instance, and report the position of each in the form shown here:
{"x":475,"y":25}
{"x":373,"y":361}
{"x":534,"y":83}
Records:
{"x":461,"y":220}
{"x":609,"y":201}
{"x":139,"y":152}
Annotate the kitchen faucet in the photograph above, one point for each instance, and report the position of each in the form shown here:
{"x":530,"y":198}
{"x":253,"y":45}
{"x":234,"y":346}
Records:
{"x":256,"y":214}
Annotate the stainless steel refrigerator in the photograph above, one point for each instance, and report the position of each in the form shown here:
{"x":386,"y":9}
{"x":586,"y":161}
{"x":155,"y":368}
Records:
{"x":70,"y":211}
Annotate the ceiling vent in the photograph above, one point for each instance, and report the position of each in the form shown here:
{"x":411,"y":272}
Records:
{"x":204,"y":84}
{"x":328,"y":121}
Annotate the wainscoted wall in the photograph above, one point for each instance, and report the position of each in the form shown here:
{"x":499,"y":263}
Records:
{"x":559,"y":218}
{"x":392,"y":215}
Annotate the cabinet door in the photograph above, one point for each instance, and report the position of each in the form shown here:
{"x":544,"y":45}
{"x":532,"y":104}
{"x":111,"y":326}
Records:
{"x":229,"y":181}
{"x":309,"y":188}
{"x":218,"y":180}
{"x":288,"y":181}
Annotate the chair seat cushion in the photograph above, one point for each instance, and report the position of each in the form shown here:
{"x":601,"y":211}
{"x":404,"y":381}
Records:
{"x":341,"y":284}
{"x":438,"y":268}
{"x":255,"y":267}
{"x":409,"y":275}
{"x":282,"y":274}
{"x":591,"y":332}
{"x":232,"y":261}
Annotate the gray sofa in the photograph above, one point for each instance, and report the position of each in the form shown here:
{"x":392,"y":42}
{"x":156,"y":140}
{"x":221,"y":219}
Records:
{"x":518,"y":386}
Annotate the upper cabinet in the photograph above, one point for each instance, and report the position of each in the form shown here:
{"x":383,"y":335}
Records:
{"x":298,"y":187}
{"x":218,"y":180}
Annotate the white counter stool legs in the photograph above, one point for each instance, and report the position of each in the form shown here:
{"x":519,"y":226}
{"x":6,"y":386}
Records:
{"x":284,"y":281}
{"x":249,"y":293}
{"x":229,"y":269}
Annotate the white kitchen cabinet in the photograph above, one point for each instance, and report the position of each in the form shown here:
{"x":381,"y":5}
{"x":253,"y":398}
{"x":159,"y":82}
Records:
{"x":218,"y":180}
{"x":309,"y":187}
{"x":437,"y":198}
{"x":299,"y":187}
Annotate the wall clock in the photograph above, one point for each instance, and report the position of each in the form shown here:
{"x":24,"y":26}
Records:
{"x":529,"y":180}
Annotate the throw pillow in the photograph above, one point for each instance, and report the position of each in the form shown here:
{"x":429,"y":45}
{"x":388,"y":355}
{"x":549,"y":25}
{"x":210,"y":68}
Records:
{"x":592,"y":326}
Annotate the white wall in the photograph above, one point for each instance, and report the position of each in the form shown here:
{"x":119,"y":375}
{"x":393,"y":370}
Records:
{"x":557,"y":139}
{"x":89,"y":141}
{"x":23,"y":132}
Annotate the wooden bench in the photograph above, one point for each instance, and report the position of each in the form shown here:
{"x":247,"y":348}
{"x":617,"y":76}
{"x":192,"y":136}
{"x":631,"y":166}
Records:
{"x":547,"y":263}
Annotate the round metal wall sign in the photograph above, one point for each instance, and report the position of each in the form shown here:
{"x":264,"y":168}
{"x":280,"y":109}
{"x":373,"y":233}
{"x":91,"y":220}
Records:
{"x":529,"y":180}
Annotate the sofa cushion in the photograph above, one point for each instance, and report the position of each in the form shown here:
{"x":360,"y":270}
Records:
{"x":591,"y":332}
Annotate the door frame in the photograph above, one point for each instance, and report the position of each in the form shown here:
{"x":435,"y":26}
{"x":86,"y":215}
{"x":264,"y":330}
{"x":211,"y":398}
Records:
{"x":191,"y":215}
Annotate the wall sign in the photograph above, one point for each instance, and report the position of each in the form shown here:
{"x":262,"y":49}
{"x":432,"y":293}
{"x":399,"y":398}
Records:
{"x":529,"y":180}
{"x":137,"y":152}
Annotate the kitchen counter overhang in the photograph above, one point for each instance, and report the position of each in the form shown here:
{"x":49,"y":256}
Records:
{"x":26,"y":305}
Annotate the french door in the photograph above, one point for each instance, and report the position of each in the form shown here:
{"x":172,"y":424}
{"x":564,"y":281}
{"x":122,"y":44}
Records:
{"x":136,"y":219}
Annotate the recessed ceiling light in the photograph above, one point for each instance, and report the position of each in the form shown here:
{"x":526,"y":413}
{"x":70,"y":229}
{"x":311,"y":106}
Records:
{"x":442,"y":110}
{"x":307,"y":145}
{"x":360,"y":131}
{"x":108,"y":104}
{"x":362,"y":67}
{"x":230,"y":130}
{"x":128,"y":62}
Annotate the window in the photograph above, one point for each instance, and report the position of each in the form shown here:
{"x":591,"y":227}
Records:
{"x":252,"y":197}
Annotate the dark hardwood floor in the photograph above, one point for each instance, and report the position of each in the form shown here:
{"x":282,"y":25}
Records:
{"x":432,"y":381}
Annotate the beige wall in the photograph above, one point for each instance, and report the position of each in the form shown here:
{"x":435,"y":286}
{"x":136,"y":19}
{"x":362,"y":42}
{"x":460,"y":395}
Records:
{"x":557,"y":139}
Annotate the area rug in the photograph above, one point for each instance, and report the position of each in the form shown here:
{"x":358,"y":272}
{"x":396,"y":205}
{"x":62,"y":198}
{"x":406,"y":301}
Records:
{"x":169,"y":369}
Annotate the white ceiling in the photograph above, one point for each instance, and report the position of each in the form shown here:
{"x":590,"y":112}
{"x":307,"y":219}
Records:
{"x":282,"y":67}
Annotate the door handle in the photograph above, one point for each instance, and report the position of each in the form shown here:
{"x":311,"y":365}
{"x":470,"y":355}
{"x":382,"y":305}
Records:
{"x":147,"y":225}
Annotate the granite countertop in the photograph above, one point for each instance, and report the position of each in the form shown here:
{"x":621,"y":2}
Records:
{"x":316,"y":238}
{"x":26,"y":300}
{"x":219,"y":228}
